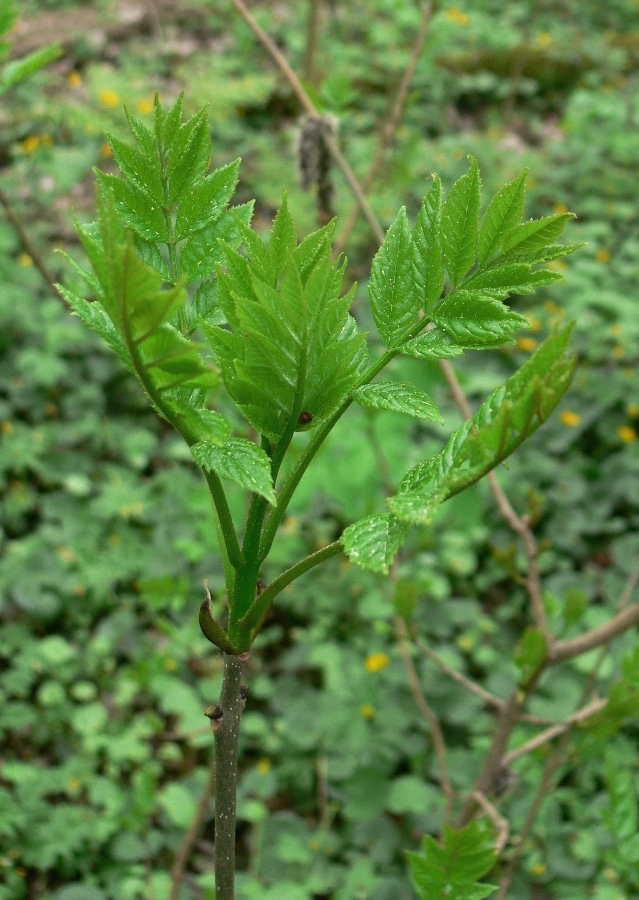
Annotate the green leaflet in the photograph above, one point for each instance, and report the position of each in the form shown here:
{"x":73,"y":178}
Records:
{"x":474,"y":320}
{"x":434,"y":344}
{"x":510,"y":415}
{"x":202,"y":252}
{"x":373,"y":542}
{"x":393,"y":298}
{"x":503,"y":213}
{"x":19,"y":69}
{"x":398,"y":397}
{"x":451,"y":871}
{"x":426,"y":251}
{"x":534,"y":236}
{"x":292,"y":351}
{"x":516,"y":278}
{"x":239,"y":461}
{"x":460,"y":223}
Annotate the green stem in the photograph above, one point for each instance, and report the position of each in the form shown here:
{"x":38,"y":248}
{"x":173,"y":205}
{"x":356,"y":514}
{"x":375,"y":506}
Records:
{"x":254,"y":618}
{"x":290,"y":485}
{"x":231,"y":542}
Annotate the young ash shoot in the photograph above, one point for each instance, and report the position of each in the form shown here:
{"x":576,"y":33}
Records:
{"x":196,"y":303}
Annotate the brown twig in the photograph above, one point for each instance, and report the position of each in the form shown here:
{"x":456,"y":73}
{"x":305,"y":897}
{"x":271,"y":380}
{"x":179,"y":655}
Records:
{"x":597,"y":636}
{"x":556,"y":757}
{"x":27,"y":243}
{"x":312,"y":41}
{"x":489,"y":699}
{"x":193,"y":833}
{"x":596,"y":706}
{"x":298,"y":88}
{"x":439,"y":744}
{"x":387,"y":133}
{"x":500,"y":824}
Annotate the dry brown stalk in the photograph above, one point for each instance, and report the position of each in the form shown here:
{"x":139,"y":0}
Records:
{"x":193,"y":833}
{"x":500,"y":824}
{"x":596,"y":706}
{"x":298,"y":88}
{"x":428,"y":713}
{"x":387,"y":133}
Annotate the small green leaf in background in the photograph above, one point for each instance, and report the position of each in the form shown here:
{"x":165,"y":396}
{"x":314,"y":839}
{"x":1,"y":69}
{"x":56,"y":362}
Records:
{"x":530,"y":652}
{"x":398,"y":397}
{"x":452,"y":871}
{"x":393,"y":298}
{"x":373,"y":542}
{"x":240,"y":461}
{"x":460,"y":223}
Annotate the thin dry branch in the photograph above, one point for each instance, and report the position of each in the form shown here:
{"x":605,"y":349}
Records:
{"x":556,"y":757}
{"x":488,"y":698}
{"x":500,"y":824}
{"x":563,"y":650}
{"x":28,"y":245}
{"x":269,"y":44}
{"x":193,"y":833}
{"x":387,"y":133}
{"x":596,"y":706}
{"x":428,"y":713}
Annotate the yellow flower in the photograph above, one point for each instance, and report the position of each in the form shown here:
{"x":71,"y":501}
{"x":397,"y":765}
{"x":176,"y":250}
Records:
{"x":627,"y":434}
{"x":570,"y":419}
{"x":465,"y":642}
{"x":106,"y":151}
{"x":67,"y":554}
{"x":73,"y":785}
{"x":611,"y":875}
{"x":376,"y":662}
{"x":31,"y":143}
{"x":78,"y":590}
{"x":144,"y":107}
{"x":560,"y":208}
{"x":544,"y":39}
{"x":367,"y":711}
{"x":615,"y":330}
{"x":263,"y":765}
{"x":629,"y":372}
{"x":109,"y":98}
{"x":633,"y":411}
{"x":531,"y":183}
{"x":74,"y":79}
{"x":526,"y":344}
{"x":6,"y":428}
{"x":558,"y":265}
{"x":457,"y":17}
{"x":170,"y":665}
{"x":538,"y":869}
{"x":603,"y":256}
{"x":535,"y":324}
{"x":618,"y":351}
{"x":25,"y":260}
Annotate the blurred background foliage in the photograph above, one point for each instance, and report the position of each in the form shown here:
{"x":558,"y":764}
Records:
{"x":106,"y":530}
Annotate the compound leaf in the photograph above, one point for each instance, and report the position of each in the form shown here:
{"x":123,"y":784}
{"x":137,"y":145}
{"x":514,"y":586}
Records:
{"x":451,"y":871}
